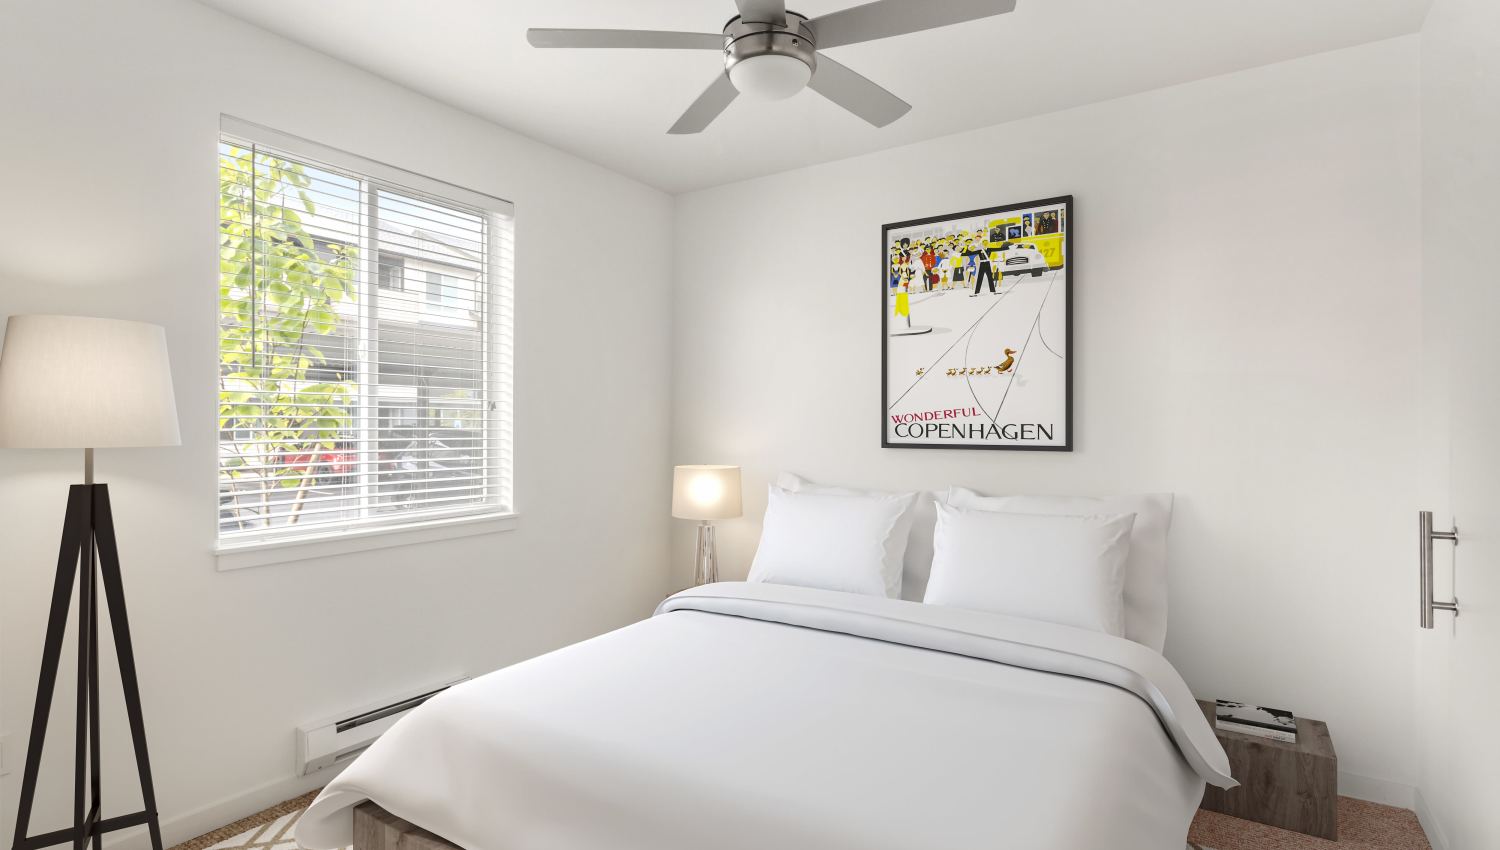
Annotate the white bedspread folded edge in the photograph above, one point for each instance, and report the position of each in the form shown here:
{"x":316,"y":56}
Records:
{"x":1013,"y":641}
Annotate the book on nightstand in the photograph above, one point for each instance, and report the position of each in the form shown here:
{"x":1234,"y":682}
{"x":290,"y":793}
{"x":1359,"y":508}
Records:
{"x":1273,"y":723}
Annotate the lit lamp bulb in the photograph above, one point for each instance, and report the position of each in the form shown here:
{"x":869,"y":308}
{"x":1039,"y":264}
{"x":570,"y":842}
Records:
{"x":706,"y":490}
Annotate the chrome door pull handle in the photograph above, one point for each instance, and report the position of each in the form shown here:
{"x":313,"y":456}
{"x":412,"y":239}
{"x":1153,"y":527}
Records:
{"x":1425,"y":536}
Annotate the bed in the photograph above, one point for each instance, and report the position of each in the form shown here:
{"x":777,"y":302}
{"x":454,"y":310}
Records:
{"x":767,"y":716}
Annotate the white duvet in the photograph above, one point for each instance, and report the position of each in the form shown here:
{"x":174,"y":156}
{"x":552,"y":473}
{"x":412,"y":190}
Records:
{"x":763,"y":716}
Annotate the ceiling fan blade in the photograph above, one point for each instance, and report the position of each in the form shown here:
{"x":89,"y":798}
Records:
{"x":714,"y":100}
{"x":885,"y":18}
{"x":762,"y":11}
{"x":653,"y":39}
{"x":856,"y":93}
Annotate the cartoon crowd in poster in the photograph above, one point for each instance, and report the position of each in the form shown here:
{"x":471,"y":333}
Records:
{"x":976,"y":330}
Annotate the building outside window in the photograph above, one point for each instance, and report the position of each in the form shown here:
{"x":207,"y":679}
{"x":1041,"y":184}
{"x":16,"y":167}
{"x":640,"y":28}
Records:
{"x":364,"y":358}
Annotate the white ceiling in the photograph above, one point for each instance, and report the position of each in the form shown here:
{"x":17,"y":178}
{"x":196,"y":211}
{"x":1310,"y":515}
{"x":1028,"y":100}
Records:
{"x":614,"y":106}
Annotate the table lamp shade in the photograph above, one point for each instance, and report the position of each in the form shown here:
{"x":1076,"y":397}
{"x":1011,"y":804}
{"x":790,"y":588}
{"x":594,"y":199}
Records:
{"x":706,"y":492}
{"x":80,"y":382}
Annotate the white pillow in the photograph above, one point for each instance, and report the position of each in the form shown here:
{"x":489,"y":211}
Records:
{"x":1062,"y":569}
{"x":895,"y":549}
{"x":831,"y":542}
{"x":1145,"y":569}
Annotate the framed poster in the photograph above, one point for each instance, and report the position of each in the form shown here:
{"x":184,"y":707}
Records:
{"x":976,"y":320}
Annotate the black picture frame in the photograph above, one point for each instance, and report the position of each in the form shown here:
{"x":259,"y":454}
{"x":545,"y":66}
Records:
{"x":1069,"y":229}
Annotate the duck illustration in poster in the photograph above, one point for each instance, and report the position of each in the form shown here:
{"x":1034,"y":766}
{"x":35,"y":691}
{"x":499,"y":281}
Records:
{"x":976,"y":320}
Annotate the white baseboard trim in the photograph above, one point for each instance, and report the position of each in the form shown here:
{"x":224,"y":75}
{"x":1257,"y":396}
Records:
{"x":1383,"y":791}
{"x":182,"y":827}
{"x":1429,"y":822}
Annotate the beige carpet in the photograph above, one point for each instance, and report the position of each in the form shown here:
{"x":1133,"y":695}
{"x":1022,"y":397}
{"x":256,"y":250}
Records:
{"x":1362,"y":826}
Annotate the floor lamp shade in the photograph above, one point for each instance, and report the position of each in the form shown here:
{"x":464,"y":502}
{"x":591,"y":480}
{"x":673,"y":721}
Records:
{"x":81,"y":382}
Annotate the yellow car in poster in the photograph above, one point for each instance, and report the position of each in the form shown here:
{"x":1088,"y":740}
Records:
{"x":999,"y":233}
{"x":1013,"y":258}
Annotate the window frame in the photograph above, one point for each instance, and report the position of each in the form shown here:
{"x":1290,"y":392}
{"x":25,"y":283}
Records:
{"x":367,"y":533}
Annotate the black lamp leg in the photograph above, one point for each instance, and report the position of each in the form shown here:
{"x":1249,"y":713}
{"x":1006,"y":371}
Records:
{"x":75,"y":526}
{"x":114,"y":593}
{"x":87,"y":527}
{"x":86,"y":626}
{"x":96,"y":772}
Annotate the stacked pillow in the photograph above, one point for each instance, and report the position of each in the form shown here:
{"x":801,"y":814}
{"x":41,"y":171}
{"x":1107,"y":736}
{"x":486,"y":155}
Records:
{"x":1144,"y":594}
{"x":836,"y":538}
{"x":1090,"y":563}
{"x":1063,"y":569}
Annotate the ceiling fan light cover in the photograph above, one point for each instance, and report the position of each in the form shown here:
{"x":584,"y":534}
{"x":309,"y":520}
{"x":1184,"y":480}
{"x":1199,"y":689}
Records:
{"x":770,"y":76}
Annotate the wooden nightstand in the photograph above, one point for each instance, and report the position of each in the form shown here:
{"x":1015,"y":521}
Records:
{"x":1291,"y":786}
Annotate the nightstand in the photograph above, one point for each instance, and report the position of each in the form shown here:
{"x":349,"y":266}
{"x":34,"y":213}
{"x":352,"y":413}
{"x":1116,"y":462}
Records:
{"x":1291,"y":786}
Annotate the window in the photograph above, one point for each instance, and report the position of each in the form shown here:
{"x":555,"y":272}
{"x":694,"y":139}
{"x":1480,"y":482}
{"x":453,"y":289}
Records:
{"x":392,"y":272}
{"x":451,"y":291}
{"x":364,"y":345}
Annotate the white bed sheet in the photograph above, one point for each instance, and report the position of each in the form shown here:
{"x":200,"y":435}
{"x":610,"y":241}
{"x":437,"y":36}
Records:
{"x":710,"y":728}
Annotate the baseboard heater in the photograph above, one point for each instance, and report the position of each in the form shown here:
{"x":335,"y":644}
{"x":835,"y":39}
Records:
{"x":338,"y":739}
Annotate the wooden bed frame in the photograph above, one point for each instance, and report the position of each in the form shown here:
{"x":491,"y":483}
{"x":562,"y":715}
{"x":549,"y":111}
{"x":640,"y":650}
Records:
{"x":377,"y":829}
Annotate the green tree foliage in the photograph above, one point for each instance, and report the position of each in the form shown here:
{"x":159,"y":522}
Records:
{"x":278,"y":292}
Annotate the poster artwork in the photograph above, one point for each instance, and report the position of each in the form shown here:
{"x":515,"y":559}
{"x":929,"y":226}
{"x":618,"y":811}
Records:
{"x":976,"y":324}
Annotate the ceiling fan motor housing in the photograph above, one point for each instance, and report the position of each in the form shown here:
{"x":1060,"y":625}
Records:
{"x":745,"y":41}
{"x":770,"y":53}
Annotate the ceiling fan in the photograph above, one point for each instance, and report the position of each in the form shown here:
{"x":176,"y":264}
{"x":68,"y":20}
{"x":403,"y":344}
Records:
{"x":770,"y":53}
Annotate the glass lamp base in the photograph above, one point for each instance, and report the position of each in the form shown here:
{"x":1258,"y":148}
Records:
{"x":706,"y":569}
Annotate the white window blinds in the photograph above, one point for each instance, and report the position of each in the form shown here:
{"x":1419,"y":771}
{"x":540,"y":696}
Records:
{"x":364,"y":344}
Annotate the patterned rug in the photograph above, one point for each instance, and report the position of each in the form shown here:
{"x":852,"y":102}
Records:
{"x":267,"y":830}
{"x":1362,"y":826}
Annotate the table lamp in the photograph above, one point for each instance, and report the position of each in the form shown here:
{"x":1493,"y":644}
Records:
{"x":706,"y":493}
{"x":70,"y":382}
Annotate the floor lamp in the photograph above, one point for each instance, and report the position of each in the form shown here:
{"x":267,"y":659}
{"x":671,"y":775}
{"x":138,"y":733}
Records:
{"x":82,"y":383}
{"x":706,"y":493}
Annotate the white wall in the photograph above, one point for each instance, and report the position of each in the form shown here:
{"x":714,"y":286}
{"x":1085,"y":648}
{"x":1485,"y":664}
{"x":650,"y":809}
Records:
{"x":108,"y":123}
{"x":1246,"y":336}
{"x":1247,"y":323}
{"x":1456,"y":684}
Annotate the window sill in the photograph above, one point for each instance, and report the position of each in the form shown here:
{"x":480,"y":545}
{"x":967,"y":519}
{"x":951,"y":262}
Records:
{"x":236,"y":556}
